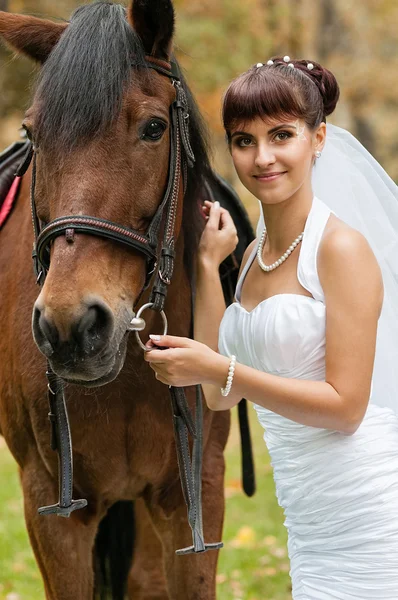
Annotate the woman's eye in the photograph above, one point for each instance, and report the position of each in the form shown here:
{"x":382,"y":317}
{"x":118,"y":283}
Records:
{"x":154,"y":130}
{"x":244,"y":142}
{"x":282,"y":136}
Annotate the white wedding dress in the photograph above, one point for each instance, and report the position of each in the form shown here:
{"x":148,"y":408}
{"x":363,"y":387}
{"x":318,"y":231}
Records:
{"x":339,"y":493}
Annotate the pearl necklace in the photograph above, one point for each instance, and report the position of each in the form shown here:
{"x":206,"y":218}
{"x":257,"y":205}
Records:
{"x":282,"y":259}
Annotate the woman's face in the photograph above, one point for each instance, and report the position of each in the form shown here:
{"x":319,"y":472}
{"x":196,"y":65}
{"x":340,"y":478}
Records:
{"x":274,"y":158}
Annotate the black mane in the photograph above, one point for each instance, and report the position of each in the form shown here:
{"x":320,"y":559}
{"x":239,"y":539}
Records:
{"x":82,"y":83}
{"x":81,"y":87}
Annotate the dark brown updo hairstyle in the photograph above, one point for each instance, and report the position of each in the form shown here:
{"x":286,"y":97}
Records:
{"x":278,"y":90}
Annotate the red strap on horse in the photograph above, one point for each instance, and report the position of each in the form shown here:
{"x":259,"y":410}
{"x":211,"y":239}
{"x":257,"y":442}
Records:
{"x":9,"y":201}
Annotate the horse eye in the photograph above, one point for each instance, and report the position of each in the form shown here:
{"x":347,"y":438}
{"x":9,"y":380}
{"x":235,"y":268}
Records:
{"x":28,"y":132}
{"x":154,"y":130}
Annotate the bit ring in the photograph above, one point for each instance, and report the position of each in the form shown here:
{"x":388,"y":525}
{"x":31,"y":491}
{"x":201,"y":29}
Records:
{"x":138,"y":316}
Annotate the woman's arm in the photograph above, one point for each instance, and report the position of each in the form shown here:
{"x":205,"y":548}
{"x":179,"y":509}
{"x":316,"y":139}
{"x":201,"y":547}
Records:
{"x":209,"y":304}
{"x":353,"y":288}
{"x":218,"y":240}
{"x":209,"y":310}
{"x":352,"y":284}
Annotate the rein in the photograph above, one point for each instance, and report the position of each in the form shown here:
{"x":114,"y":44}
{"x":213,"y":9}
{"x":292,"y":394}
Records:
{"x":181,"y":157}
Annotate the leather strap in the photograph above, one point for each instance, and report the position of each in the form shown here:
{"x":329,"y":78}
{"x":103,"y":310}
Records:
{"x":91,"y":226}
{"x":61,"y":441}
{"x":190,"y":468}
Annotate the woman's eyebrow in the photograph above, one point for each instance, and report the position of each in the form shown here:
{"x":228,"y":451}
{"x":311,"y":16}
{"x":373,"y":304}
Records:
{"x":282,"y":126}
{"x":273,"y":130}
{"x":240,"y":133}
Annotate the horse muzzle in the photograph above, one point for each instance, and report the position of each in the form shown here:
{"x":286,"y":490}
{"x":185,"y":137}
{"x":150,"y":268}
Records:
{"x":83,"y":344}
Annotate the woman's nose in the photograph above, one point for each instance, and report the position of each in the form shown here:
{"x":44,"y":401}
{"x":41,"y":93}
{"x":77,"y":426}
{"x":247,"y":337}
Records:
{"x":265,"y":156}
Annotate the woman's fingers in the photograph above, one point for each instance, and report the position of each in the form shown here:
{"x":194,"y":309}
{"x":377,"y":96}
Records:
{"x":226,"y":220}
{"x":219,"y":237}
{"x":171,"y":341}
{"x":218,"y":217}
{"x":214,"y":217}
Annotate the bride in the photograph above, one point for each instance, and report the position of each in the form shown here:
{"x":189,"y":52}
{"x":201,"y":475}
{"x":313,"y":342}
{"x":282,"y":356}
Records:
{"x":312,"y":339}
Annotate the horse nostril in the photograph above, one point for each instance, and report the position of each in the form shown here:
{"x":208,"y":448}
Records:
{"x":88,"y":321}
{"x":83,"y":331}
{"x":45,"y":332}
{"x":93,"y":330}
{"x":49,"y":330}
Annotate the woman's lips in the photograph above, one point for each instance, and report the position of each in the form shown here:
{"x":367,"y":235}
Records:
{"x":269,"y":177}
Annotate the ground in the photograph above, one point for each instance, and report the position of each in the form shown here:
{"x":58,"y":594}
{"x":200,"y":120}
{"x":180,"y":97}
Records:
{"x":253,"y":565}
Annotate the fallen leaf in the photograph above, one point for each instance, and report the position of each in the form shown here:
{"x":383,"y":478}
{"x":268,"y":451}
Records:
{"x":245,"y":538}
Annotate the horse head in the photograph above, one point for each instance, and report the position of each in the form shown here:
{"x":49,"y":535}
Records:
{"x":100,"y":126}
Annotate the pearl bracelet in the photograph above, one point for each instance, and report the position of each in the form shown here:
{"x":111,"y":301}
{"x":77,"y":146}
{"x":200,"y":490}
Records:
{"x":231,"y":371}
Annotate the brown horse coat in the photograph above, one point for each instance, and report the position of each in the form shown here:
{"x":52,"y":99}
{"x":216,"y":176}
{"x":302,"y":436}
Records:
{"x":95,"y":157}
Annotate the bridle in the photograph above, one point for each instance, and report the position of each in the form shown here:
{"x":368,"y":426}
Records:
{"x":181,"y":157}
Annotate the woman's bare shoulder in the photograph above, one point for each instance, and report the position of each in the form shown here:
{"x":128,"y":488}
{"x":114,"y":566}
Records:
{"x":345,"y":259}
{"x":340,"y":240}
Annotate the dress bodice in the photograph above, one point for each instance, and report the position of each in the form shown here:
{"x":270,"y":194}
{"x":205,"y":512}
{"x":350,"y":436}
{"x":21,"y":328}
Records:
{"x":283,"y":334}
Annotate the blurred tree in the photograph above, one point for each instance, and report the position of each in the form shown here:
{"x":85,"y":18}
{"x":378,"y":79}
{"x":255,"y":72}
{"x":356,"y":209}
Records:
{"x":218,"y":39}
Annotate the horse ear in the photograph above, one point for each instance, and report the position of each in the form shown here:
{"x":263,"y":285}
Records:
{"x":153,"y":21}
{"x":29,"y":35}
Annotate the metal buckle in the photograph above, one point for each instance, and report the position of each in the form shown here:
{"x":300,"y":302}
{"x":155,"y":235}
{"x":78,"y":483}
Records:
{"x":136,"y":327}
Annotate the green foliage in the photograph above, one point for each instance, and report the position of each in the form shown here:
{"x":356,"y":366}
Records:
{"x":18,"y":570}
{"x":215,"y":41}
{"x":253,"y":564}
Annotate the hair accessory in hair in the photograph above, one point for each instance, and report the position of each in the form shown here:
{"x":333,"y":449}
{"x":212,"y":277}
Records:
{"x":291,"y":65}
{"x":286,"y":59}
{"x":270,"y":62}
{"x":310,"y":66}
{"x":258,"y":65}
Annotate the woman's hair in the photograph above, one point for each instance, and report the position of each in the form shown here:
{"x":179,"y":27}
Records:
{"x":279,"y":90}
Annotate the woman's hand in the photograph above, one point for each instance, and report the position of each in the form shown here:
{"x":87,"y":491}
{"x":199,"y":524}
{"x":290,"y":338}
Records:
{"x":219,"y":238}
{"x":185,"y":362}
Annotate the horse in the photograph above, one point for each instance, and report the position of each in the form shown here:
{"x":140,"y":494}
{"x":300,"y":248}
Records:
{"x":100,"y":132}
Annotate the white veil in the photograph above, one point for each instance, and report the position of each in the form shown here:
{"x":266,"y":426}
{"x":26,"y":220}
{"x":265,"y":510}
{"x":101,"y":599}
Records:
{"x":357,"y":189}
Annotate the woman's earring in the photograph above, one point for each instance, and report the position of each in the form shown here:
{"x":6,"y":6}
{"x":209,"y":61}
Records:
{"x":318,"y":154}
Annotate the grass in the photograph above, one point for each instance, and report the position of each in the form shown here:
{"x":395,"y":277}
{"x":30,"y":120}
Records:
{"x":253,"y":564}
